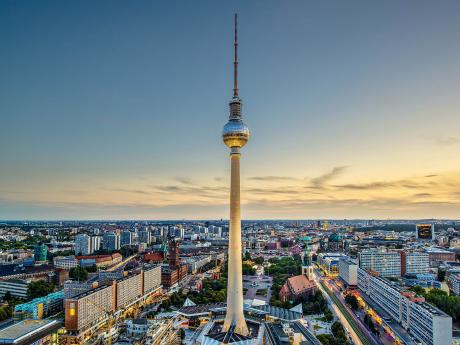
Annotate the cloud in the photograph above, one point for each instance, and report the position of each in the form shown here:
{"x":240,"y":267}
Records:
{"x":446,"y":141}
{"x":125,"y":190}
{"x":323,"y":179}
{"x":422,"y":195}
{"x":273,"y":191}
{"x":183,"y":180}
{"x":272,"y":178}
{"x":367,"y":186}
{"x":409,"y":184}
{"x":432,"y":175}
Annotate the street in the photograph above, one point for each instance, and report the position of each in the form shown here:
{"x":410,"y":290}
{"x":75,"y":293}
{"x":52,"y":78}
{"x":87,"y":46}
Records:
{"x":342,"y":314}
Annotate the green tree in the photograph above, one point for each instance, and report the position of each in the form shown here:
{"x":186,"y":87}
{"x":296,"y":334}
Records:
{"x":91,"y":269}
{"x":248,"y":270}
{"x":259,"y":260}
{"x":352,"y":301}
{"x":78,"y":273}
{"x":441,"y":275}
{"x":338,"y":331}
{"x":247,"y":256}
{"x":39,"y":288}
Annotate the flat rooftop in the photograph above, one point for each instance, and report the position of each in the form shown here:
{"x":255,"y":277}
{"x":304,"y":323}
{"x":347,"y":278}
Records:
{"x":22,"y":332}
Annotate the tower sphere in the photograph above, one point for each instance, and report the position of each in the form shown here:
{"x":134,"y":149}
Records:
{"x":235,"y":134}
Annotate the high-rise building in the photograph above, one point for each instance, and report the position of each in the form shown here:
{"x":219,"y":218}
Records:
{"x":424,"y":232}
{"x":126,"y":238}
{"x":111,"y":241}
{"x":235,"y":135}
{"x":82,"y":244}
{"x":427,"y":324}
{"x":40,"y":252}
{"x":387,"y":264}
{"x":348,"y":271}
{"x":145,"y":236}
{"x":94,"y":243}
{"x":414,"y":262}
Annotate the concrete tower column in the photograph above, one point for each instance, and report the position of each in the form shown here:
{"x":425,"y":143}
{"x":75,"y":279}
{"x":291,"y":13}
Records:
{"x":235,"y":316}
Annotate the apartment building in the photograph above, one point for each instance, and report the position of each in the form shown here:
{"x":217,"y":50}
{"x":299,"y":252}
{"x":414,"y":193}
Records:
{"x":86,"y":309}
{"x":128,"y":290}
{"x":427,"y":324}
{"x":89,"y":307}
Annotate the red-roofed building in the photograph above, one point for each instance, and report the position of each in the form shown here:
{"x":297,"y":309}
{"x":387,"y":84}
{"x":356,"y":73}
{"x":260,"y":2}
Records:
{"x":297,"y":288}
{"x":155,"y":258}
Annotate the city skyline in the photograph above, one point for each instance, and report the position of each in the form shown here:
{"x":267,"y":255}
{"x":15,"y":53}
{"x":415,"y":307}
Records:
{"x":118,"y":118}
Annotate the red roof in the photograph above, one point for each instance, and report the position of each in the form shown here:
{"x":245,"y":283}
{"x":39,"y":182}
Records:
{"x":300,"y":283}
{"x":153,"y":257}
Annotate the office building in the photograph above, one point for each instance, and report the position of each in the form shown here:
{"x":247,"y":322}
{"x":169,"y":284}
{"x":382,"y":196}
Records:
{"x":65,"y":262}
{"x":424,"y":232}
{"x":40,"y":253}
{"x":348,"y":271}
{"x":16,"y":287}
{"x":427,"y":324}
{"x":145,"y":236}
{"x":414,"y":262}
{"x":111,"y":241}
{"x":82,"y":244}
{"x":126,"y":238}
{"x":387,"y":264}
{"x":329,"y":262}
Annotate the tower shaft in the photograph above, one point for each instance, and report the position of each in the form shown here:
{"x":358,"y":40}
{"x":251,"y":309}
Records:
{"x":235,"y":316}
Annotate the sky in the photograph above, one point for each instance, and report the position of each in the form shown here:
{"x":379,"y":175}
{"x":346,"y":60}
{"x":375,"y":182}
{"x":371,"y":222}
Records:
{"x":114,"y":109}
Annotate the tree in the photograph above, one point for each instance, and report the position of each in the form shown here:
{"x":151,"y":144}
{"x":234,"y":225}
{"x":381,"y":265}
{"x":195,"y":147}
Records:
{"x":39,"y":288}
{"x":418,"y":290}
{"x":78,"y":273}
{"x":328,"y":316}
{"x":248,"y":270}
{"x":441,"y":275}
{"x":352,"y":301}
{"x":338,"y":331}
{"x":91,"y":269}
{"x":247,"y":256}
{"x":259,"y":260}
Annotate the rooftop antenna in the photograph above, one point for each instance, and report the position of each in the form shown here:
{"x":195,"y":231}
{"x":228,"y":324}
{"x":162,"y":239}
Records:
{"x":235,"y":62}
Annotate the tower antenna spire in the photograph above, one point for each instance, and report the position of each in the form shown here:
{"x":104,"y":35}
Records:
{"x":235,"y":61}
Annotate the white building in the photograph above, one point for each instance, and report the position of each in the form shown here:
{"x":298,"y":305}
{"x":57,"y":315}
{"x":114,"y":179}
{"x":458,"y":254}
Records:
{"x":414,"y":263}
{"x":454,"y":283}
{"x":65,"y":262}
{"x":387,"y":264}
{"x":427,"y":324}
{"x":94,"y":243}
{"x":82,"y":244}
{"x":16,"y":288}
{"x":348,"y":271}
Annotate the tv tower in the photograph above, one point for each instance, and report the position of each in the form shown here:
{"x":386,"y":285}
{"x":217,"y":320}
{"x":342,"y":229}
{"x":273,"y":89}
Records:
{"x":235,"y":135}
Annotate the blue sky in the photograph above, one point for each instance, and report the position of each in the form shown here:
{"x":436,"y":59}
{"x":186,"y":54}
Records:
{"x":114,"y":109}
